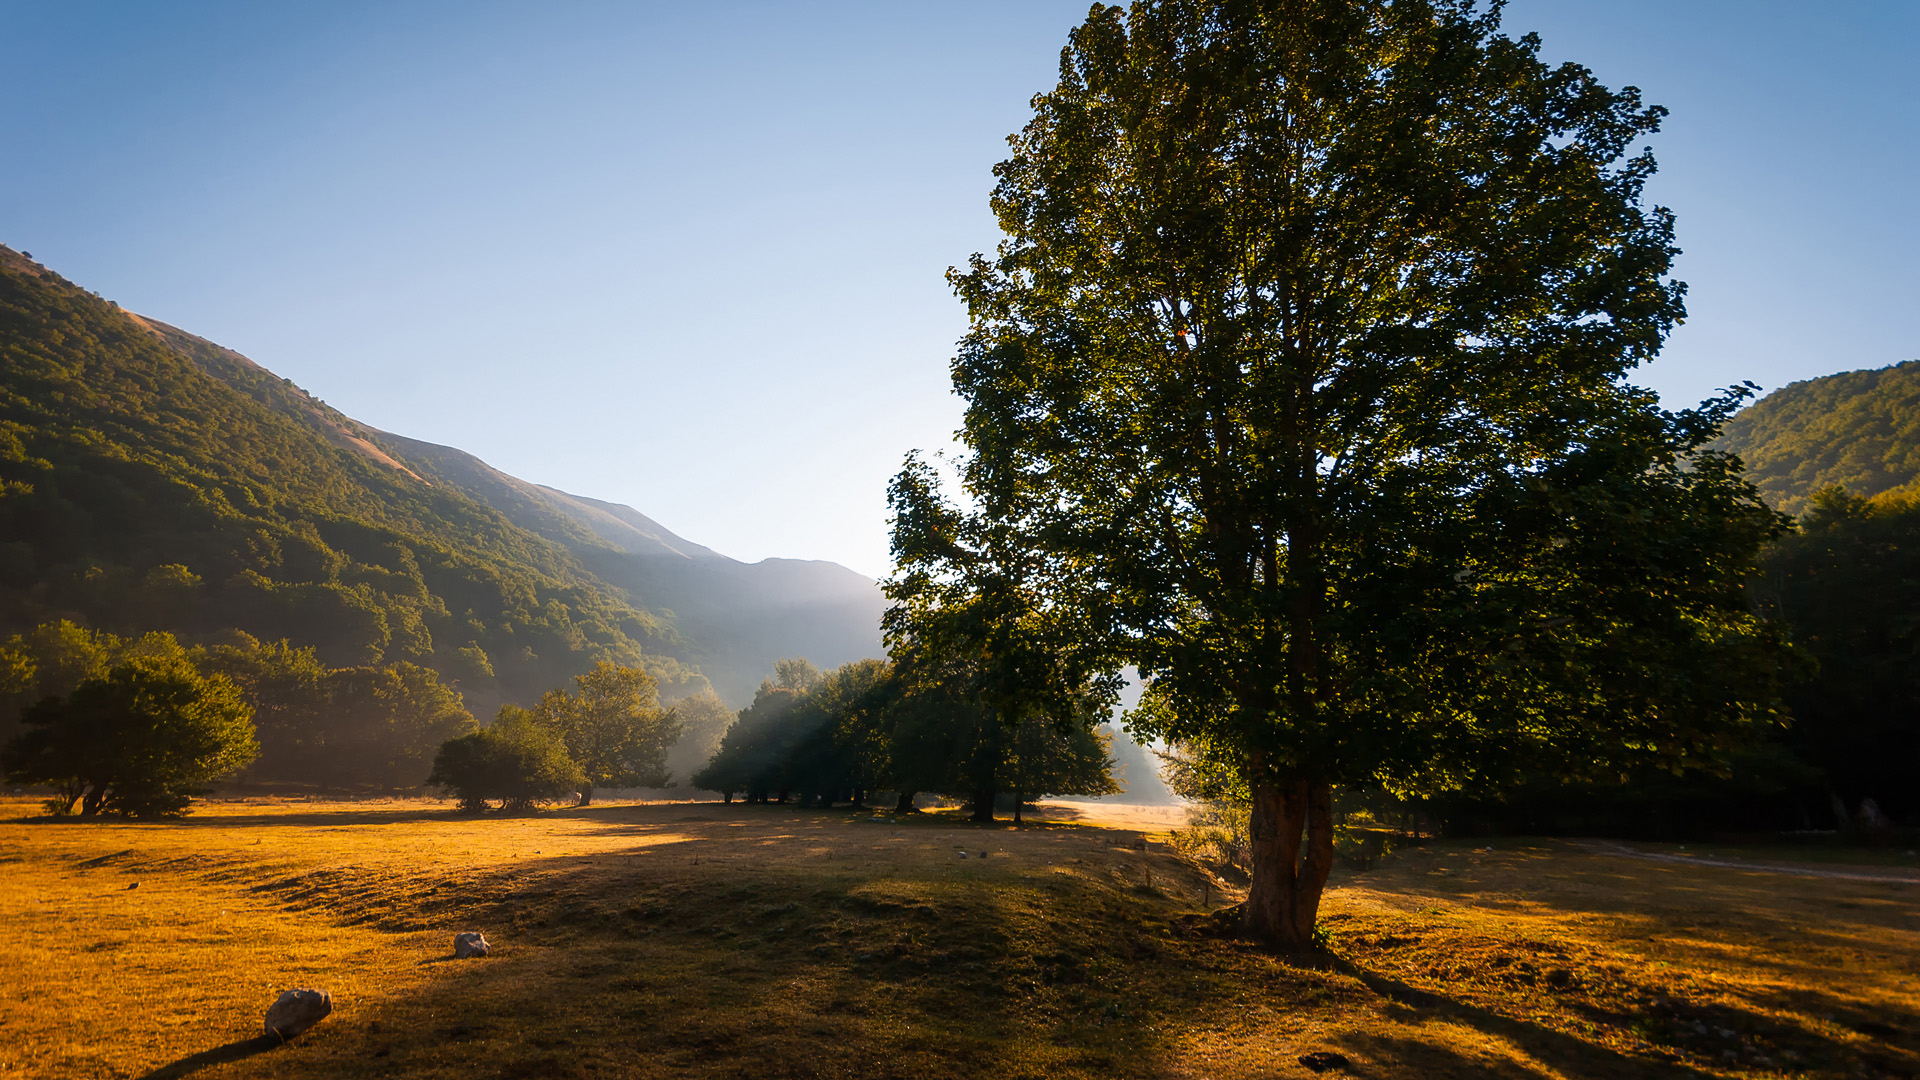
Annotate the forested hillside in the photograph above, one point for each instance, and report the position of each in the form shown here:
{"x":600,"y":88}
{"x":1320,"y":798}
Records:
{"x":1858,"y":429}
{"x":152,"y":480}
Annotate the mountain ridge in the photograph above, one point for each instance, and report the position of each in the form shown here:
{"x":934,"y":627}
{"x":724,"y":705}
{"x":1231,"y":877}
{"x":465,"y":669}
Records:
{"x":263,"y":495}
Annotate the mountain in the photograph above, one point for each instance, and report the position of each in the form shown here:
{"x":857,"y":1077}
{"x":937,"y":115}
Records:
{"x":736,"y":618}
{"x":1856,"y":429}
{"x":151,"y":479}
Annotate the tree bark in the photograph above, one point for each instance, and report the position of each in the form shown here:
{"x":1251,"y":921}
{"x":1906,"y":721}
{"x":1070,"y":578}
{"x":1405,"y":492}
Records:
{"x":983,"y":804}
{"x":1016,"y":807}
{"x":94,"y":797}
{"x":1292,"y":840}
{"x":904,"y":804}
{"x":586,"y":795}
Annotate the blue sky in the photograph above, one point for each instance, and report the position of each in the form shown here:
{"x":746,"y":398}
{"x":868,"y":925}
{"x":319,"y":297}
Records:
{"x":689,"y":256}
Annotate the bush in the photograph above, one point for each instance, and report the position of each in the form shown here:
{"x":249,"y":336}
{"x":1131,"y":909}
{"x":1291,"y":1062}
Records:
{"x":518,"y":761}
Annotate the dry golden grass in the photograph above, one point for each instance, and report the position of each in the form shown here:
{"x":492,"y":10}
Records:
{"x":729,"y":941}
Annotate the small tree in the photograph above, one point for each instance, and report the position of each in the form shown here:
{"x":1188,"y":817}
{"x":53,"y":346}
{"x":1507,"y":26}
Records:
{"x":613,"y":727}
{"x":140,"y":740}
{"x":518,"y":760}
{"x":754,"y":749}
{"x":973,"y":621}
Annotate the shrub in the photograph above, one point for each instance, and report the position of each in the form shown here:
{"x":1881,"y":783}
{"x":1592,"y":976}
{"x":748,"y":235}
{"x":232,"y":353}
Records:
{"x":518,"y":761}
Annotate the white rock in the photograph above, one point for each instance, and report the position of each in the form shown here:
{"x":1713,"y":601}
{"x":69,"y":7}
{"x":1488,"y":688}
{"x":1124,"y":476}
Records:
{"x":470,"y":944}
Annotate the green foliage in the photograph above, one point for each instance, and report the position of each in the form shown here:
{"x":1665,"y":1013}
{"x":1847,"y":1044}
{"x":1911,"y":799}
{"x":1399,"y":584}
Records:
{"x":754,"y":751}
{"x":1302,"y":367}
{"x":348,"y":727}
{"x":865,"y":727}
{"x":143,"y":492}
{"x":382,"y":726}
{"x":519,"y":761}
{"x":1001,"y":690}
{"x":613,"y":727}
{"x":138,"y":740}
{"x":1848,"y":582}
{"x":1859,"y":430}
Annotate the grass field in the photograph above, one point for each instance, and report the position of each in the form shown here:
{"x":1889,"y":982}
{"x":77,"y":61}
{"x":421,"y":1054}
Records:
{"x":766,"y":942}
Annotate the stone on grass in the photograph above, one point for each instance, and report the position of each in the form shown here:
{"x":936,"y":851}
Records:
{"x":294,"y":1011}
{"x":470,"y":944}
{"x":1322,"y":1060}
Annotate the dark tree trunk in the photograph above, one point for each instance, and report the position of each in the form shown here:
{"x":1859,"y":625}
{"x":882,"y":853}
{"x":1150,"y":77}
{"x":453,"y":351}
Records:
{"x":727,"y":797}
{"x":586,"y":795}
{"x":983,"y":803}
{"x":95,"y":796}
{"x":859,"y":799}
{"x":1292,"y":841}
{"x":1016,"y":807}
{"x":904,"y":804}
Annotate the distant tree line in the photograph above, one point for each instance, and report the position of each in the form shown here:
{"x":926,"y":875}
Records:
{"x":138,"y":725}
{"x":813,"y":738}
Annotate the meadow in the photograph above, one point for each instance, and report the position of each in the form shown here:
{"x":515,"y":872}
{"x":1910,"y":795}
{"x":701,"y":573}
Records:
{"x":702,"y":939}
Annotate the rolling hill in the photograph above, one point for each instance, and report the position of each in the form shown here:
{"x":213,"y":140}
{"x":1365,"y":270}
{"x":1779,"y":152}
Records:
{"x":151,"y":479}
{"x":1857,"y":429}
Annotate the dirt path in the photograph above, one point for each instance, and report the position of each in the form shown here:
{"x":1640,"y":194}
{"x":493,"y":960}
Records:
{"x":1610,"y":848}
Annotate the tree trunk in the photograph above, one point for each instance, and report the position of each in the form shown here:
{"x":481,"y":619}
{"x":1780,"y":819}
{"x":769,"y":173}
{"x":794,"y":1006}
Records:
{"x":859,"y":801}
{"x":983,"y":804}
{"x":1016,"y":807}
{"x":1292,"y":839}
{"x":94,"y":797}
{"x":904,"y":804}
{"x":586,"y":795}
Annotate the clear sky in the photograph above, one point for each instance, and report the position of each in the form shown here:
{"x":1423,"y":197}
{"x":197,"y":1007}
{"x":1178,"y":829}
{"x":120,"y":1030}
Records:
{"x":689,"y":257}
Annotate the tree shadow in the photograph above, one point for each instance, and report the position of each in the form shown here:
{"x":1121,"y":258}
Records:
{"x":1565,"y":1054}
{"x":219,"y":1055}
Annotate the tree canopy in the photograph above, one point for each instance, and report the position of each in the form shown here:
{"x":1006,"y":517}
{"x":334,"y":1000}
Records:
{"x":1303,"y":364}
{"x":139,"y":739}
{"x":613,"y":727}
{"x":518,"y":760}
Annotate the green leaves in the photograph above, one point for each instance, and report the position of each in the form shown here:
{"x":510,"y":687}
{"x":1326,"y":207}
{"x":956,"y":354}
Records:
{"x":138,"y":740}
{"x":1299,"y":379}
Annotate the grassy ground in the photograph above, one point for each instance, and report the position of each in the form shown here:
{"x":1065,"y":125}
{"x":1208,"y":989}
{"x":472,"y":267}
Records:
{"x":730,"y":941}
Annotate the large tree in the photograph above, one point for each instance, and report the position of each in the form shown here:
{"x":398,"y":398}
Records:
{"x":1303,"y":361}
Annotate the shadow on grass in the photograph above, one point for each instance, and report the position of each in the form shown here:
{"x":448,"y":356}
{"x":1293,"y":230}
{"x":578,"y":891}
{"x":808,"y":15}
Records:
{"x":219,"y":1055}
{"x":1564,"y":1054}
